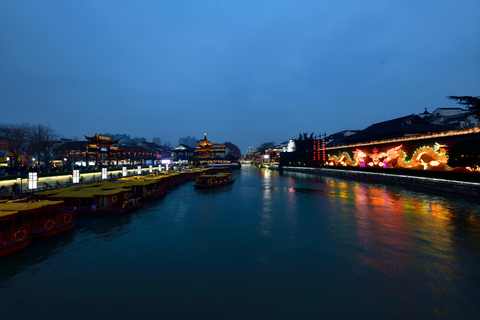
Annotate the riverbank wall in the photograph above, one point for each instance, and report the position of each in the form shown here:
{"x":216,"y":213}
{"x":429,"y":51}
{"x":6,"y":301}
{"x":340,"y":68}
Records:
{"x":451,"y":186}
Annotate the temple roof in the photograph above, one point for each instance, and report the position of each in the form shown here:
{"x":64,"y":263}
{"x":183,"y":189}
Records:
{"x":182,"y":147}
{"x":395,"y":128}
{"x":102,"y":139}
{"x":205,"y":142}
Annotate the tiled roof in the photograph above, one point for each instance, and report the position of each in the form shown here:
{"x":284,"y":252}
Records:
{"x":395,"y":128}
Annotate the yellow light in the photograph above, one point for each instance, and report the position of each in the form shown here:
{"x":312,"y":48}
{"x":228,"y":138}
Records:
{"x":412,"y":138}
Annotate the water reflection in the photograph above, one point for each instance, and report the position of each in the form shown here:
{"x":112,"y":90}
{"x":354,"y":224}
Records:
{"x":318,"y":246}
{"x":105,"y":227}
{"x":38,"y":251}
{"x":266,"y":212}
{"x":385,"y":216}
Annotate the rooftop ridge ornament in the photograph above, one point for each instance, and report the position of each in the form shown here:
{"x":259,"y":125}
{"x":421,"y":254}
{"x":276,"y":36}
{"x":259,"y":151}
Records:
{"x":98,"y":138}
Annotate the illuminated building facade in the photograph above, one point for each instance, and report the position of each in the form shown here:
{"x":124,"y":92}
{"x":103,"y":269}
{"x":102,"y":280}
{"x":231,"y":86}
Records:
{"x":421,"y":152}
{"x":102,"y":149}
{"x":208,"y":150}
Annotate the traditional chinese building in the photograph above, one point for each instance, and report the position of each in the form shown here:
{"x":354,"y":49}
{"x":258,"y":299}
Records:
{"x":102,"y":149}
{"x":207,"y":150}
{"x":183,"y":152}
{"x":98,"y":149}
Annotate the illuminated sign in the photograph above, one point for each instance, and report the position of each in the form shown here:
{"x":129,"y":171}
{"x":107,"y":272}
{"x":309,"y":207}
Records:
{"x":32,"y":180}
{"x":76,"y":176}
{"x":104,"y":173}
{"x":124,"y":171}
{"x":166,"y":161}
{"x":139,"y":170}
{"x":150,"y":168}
{"x":103,"y":149}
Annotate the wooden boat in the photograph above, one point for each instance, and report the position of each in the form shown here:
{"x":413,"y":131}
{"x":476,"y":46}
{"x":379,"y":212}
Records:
{"x":146,"y":187}
{"x":97,"y":200}
{"x":208,"y":181}
{"x":13,"y":236}
{"x":44,"y":218}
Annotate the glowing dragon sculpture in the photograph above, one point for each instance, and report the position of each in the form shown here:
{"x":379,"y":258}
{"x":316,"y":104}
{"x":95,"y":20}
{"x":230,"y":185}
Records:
{"x":426,"y":157}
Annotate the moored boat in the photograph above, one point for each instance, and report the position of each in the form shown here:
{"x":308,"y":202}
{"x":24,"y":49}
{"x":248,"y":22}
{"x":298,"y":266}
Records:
{"x":98,"y":200}
{"x":13,"y":236}
{"x":147,"y":188}
{"x":208,"y":181}
{"x":44,"y":218}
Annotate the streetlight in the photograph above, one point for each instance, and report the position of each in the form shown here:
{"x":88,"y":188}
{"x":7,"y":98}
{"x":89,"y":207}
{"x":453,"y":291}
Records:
{"x":104,"y":173}
{"x":20,"y":186}
{"x":76,"y":176}
{"x":32,"y":181}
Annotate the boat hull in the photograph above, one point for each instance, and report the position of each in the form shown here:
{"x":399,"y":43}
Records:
{"x":14,"y":247}
{"x":46,"y":234}
{"x":108,"y":212}
{"x":154,"y":196}
{"x":211,"y":186}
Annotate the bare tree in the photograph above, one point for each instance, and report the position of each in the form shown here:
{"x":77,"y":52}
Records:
{"x":16,"y":138}
{"x":41,"y":139}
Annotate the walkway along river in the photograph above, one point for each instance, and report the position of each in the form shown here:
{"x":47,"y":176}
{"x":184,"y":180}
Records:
{"x":272,"y":246}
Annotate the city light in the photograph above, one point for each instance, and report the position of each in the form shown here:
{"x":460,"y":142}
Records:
{"x":32,"y":180}
{"x":442,"y":134}
{"x":76,"y":176}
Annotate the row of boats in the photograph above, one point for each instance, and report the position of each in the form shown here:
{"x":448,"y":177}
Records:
{"x":53,"y":211}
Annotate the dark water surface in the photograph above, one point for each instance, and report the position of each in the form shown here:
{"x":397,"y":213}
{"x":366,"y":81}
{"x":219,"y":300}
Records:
{"x":270,"y":246}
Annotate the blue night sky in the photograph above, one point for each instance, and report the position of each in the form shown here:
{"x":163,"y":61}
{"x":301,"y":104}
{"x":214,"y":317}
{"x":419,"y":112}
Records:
{"x":242,"y":71}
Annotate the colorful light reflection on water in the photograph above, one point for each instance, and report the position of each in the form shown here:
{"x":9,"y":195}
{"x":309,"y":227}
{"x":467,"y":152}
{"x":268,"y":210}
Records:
{"x":271,"y":245}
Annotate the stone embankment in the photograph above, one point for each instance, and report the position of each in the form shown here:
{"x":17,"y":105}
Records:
{"x":453,"y":186}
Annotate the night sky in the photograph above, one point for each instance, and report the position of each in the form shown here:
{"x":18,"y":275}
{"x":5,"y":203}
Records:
{"x":242,"y":71}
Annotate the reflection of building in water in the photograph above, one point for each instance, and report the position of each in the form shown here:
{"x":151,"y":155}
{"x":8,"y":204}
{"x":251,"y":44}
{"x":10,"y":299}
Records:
{"x":379,"y":221}
{"x":389,"y":220}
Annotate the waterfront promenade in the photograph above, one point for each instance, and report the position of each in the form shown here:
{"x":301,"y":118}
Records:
{"x":64,"y":178}
{"x":270,"y":246}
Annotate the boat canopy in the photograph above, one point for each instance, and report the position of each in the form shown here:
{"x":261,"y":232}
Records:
{"x":88,"y":193}
{"x":24,"y":206}
{"x":5,"y":214}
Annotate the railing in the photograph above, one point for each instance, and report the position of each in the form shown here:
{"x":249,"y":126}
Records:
{"x":18,"y":234}
{"x":50,"y":223}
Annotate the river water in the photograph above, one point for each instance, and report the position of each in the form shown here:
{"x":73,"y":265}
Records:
{"x":270,"y":246}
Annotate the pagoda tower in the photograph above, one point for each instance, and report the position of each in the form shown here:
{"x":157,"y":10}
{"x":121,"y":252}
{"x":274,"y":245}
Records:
{"x":204,"y":149}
